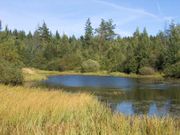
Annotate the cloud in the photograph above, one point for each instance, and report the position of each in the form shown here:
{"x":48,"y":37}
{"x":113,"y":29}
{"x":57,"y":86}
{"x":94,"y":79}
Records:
{"x":158,"y":7}
{"x":161,"y":13}
{"x":129,"y":15}
{"x":132,"y":10}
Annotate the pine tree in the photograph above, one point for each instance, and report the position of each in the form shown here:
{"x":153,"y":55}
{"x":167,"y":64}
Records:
{"x":44,"y":33}
{"x":88,"y":32}
{"x":173,"y":50}
{"x":106,"y":30}
{"x":57,"y":35}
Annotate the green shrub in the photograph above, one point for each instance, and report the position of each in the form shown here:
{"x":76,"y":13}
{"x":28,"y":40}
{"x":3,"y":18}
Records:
{"x":130,"y":66}
{"x":173,"y":70}
{"x":53,"y":65}
{"x":90,"y":66}
{"x":70,"y":62}
{"x":10,"y":73}
{"x":146,"y":71}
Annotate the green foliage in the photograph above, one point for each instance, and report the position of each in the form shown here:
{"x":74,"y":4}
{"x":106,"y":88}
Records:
{"x":70,"y":62}
{"x":106,"y":29}
{"x":141,"y":52}
{"x":173,"y":70}
{"x":88,"y":32}
{"x":130,"y":66}
{"x":10,"y":62}
{"x":10,"y":73}
{"x":146,"y":71}
{"x":45,"y":50}
{"x":53,"y":65}
{"x":90,"y":66}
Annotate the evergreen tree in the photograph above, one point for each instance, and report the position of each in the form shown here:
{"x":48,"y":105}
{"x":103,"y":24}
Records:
{"x":88,"y":32}
{"x":173,"y":50}
{"x":133,"y":54}
{"x":141,"y":50}
{"x":57,"y":35}
{"x":44,"y":33}
{"x":106,"y":30}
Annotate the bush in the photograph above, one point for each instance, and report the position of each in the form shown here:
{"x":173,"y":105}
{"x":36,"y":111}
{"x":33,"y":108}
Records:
{"x":173,"y":70}
{"x":53,"y":65}
{"x":146,"y":71}
{"x":70,"y":62}
{"x":10,"y":73}
{"x":130,"y":66}
{"x":90,"y":66}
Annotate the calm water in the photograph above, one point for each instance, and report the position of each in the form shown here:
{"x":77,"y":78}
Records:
{"x":126,"y":95}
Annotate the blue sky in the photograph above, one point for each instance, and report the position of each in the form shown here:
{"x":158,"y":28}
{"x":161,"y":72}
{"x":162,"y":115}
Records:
{"x":69,"y":16}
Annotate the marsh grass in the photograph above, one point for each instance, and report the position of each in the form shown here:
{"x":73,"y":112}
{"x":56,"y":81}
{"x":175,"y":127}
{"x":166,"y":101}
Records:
{"x":36,"y":111}
{"x":32,"y":74}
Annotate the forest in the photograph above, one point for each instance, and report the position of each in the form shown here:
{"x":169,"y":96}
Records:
{"x":99,"y":49}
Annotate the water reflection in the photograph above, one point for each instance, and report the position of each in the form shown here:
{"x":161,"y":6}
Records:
{"x":136,"y":96}
{"x":125,"y":107}
{"x":92,"y":81}
{"x":152,"y":109}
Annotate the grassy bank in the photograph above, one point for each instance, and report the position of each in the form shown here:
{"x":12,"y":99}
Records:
{"x":42,"y":112}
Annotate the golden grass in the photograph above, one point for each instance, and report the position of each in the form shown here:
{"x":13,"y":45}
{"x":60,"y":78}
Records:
{"x":35,"y":111}
{"x":32,"y":74}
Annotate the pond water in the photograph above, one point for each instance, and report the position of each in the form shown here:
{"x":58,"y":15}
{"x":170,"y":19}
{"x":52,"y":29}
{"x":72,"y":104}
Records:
{"x":126,"y":95}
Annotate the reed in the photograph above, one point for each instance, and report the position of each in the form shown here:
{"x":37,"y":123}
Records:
{"x":36,"y":111}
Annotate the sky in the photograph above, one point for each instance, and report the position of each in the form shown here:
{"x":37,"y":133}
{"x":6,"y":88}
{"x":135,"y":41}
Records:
{"x":69,"y":16}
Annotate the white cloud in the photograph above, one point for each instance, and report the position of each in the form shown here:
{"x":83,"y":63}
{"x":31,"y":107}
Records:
{"x":132,"y":10}
{"x":161,"y":13}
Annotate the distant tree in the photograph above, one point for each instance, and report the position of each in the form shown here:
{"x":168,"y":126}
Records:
{"x":29,"y":35}
{"x":158,"y":55}
{"x":88,"y":32}
{"x":57,"y":35}
{"x":173,"y":48}
{"x":106,"y":30}
{"x":130,"y":64}
{"x":141,"y":53}
{"x":44,"y":33}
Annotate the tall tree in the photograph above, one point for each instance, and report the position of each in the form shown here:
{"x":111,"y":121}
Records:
{"x":57,"y":35}
{"x":88,"y":32}
{"x":141,"y":49}
{"x":44,"y":33}
{"x":106,"y":30}
{"x":173,"y":50}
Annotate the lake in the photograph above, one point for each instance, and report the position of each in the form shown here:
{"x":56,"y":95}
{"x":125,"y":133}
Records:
{"x":126,"y":95}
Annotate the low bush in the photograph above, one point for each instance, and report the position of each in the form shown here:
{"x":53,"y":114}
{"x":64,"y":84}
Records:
{"x":146,"y":71}
{"x":173,"y":70}
{"x":10,"y":73}
{"x":90,"y":66}
{"x":53,"y":65}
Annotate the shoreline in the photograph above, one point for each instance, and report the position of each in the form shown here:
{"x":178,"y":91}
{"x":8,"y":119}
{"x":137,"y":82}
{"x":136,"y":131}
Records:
{"x":32,"y":74}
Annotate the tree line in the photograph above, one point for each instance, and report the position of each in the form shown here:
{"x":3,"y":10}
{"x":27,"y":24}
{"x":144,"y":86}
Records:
{"x":98,"y":49}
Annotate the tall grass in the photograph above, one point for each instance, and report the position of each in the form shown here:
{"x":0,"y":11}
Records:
{"x":28,"y":111}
